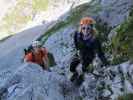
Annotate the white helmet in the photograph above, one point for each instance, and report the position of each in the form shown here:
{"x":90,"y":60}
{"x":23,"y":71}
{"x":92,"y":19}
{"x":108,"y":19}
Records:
{"x":36,"y":44}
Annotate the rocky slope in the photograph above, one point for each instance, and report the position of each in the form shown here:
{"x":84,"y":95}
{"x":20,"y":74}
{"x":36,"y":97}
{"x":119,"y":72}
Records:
{"x":29,"y":81}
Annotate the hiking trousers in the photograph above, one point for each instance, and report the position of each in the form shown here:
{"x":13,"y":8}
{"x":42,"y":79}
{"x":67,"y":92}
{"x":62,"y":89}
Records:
{"x":76,"y":60}
{"x":43,"y":66}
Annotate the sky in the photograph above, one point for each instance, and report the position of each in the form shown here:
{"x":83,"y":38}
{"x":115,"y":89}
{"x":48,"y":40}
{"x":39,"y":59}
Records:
{"x":51,"y":14}
{"x":5,"y":5}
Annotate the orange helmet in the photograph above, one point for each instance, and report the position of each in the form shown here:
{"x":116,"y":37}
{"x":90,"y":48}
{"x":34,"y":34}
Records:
{"x":86,"y":21}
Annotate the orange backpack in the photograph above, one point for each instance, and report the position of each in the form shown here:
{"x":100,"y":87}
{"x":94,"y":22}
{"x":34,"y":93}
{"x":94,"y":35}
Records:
{"x":36,"y":58}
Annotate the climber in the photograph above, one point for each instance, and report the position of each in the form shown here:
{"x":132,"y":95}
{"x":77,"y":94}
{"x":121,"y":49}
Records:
{"x":37,"y":55}
{"x":87,"y":46}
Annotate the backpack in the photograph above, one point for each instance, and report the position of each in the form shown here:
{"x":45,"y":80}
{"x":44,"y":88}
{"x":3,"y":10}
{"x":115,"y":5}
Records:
{"x":30,"y":50}
{"x":50,"y":56}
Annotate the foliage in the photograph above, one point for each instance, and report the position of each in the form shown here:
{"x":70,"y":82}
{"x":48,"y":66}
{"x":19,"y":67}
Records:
{"x":21,"y":14}
{"x":126,"y":97}
{"x":123,"y":41}
{"x":39,"y":5}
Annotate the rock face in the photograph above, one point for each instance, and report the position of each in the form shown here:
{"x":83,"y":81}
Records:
{"x":113,"y":82}
{"x":20,"y":81}
{"x":31,"y":82}
{"x":60,"y":45}
{"x":109,"y":85}
{"x":115,"y":11}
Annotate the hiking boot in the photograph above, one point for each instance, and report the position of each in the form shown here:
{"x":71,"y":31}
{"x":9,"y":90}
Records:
{"x":74,"y":76}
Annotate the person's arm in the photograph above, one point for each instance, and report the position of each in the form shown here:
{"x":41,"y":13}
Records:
{"x":45,"y":58}
{"x":75,"y":41}
{"x":100,"y":52}
{"x":46,"y":62}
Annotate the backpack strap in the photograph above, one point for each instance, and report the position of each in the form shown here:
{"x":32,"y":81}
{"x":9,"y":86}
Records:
{"x":33,"y":56}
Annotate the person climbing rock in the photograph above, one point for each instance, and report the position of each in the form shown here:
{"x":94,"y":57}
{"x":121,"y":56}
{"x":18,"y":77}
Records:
{"x":38,"y":55}
{"x":87,"y":45}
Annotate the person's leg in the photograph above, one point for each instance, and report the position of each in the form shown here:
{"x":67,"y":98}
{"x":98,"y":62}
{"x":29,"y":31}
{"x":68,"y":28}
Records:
{"x":73,"y":66}
{"x":85,"y":65}
{"x":74,"y":63}
{"x":80,"y":79}
{"x":44,"y":67}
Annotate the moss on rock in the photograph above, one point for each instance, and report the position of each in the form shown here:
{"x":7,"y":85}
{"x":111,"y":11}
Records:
{"x":123,"y":41}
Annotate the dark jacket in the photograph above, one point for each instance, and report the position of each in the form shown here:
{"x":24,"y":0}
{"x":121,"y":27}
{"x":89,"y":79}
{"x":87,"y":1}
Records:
{"x":88,"y":48}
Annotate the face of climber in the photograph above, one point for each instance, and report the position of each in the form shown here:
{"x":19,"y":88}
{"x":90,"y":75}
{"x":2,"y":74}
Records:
{"x":86,"y":29}
{"x":36,"y":49}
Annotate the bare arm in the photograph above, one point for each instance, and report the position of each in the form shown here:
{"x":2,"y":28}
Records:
{"x":45,"y":58}
{"x":46,"y":62}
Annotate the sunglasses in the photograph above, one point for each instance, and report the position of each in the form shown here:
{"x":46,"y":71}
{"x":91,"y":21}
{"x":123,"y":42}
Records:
{"x":86,"y":28}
